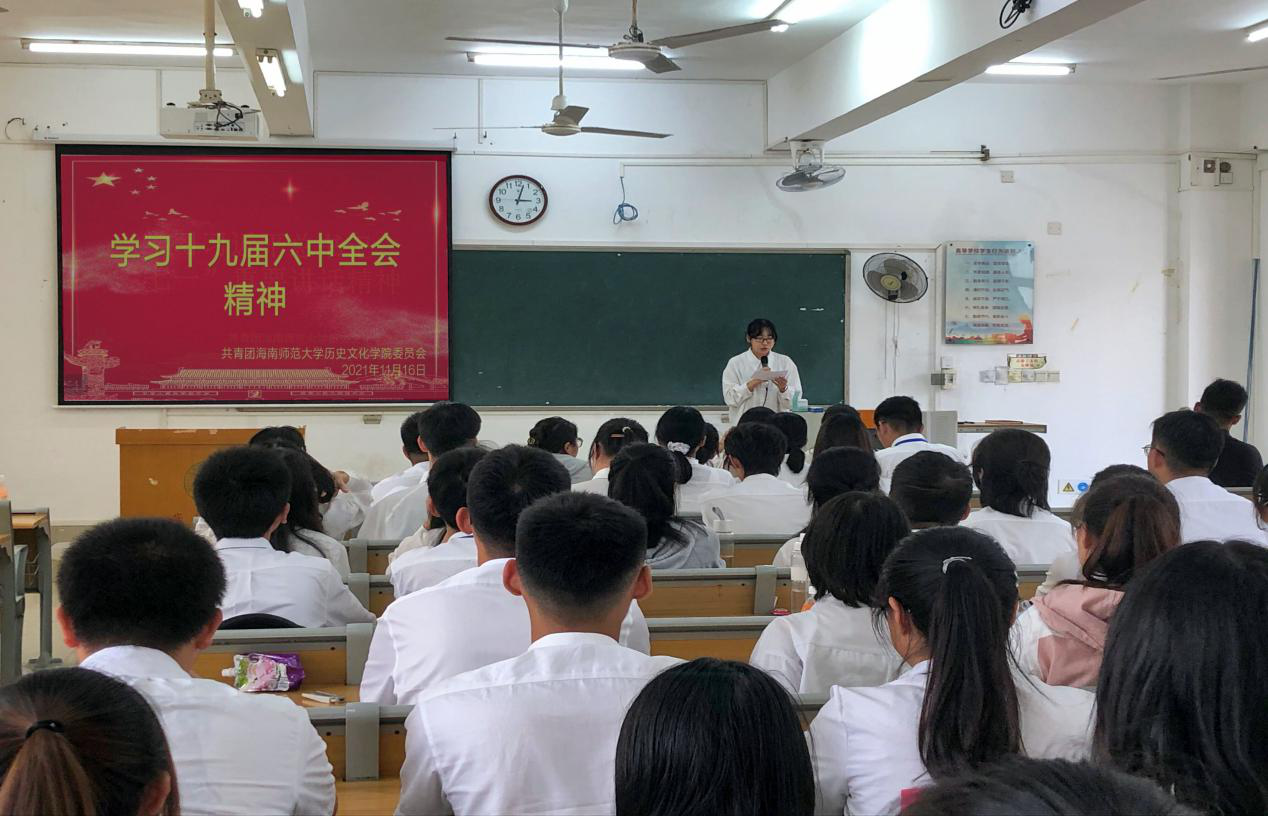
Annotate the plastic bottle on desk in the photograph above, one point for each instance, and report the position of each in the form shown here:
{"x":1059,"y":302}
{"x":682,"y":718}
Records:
{"x":799,"y":586}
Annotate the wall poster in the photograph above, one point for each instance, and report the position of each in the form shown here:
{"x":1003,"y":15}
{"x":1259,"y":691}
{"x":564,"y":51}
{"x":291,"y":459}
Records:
{"x":990,"y":293}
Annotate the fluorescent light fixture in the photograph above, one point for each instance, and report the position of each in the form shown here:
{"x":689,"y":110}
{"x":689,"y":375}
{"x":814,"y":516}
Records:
{"x":123,"y":49}
{"x":796,"y":11}
{"x":1258,"y":33}
{"x":251,"y":8}
{"x":1045,"y":69}
{"x":522,"y":60}
{"x":781,"y":28}
{"x":271,"y":67}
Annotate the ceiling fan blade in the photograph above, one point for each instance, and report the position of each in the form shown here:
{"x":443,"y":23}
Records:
{"x":643,"y":134}
{"x":1214,"y":73}
{"x":493,"y":127}
{"x":684,"y":40}
{"x":573,"y":113}
{"x":662,"y":64}
{"x":524,"y":42}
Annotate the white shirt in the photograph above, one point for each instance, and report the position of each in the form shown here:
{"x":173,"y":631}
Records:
{"x":300,"y":588}
{"x":1040,"y":539}
{"x":421,"y":539}
{"x":830,"y":644}
{"x":421,"y":568}
{"x":375,"y":526}
{"x":741,"y":368}
{"x":598,"y":484}
{"x":759,"y":504}
{"x":463,"y":623}
{"x":346,"y":511}
{"x":795,"y":479}
{"x":407,"y":478}
{"x":905,"y":447}
{"x":783,"y":556}
{"x":408,"y":513}
{"x":864,"y":741}
{"x":318,"y":545}
{"x":235,"y":754}
{"x":704,"y":479}
{"x":1208,"y":512}
{"x":535,"y":734}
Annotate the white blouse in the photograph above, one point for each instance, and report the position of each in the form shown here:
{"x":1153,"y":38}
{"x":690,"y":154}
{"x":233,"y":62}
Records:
{"x":1040,"y":539}
{"x":704,"y":479}
{"x":741,"y":368}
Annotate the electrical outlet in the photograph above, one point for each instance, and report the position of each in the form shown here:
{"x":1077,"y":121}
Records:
{"x":1054,"y":228}
{"x":1208,"y":166}
{"x":1006,"y":177}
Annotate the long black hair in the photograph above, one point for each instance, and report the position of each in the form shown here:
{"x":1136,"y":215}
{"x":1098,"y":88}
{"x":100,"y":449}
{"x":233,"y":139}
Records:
{"x":1010,"y":468}
{"x":960,"y":591}
{"x":1181,"y":698}
{"x":642,"y":478}
{"x":711,"y":445}
{"x":552,"y":434}
{"x":794,"y":427}
{"x":615,"y":434}
{"x":678,"y":426}
{"x":304,"y":513}
{"x":843,"y":429}
{"x":1131,"y":520}
{"x":713,"y":738}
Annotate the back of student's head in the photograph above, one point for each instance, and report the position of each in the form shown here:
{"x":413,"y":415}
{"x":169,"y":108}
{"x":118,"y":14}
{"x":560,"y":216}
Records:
{"x":932,"y":488}
{"x":758,"y":447}
{"x":680,"y":430}
{"x":759,"y":413}
{"x":305,"y":512}
{"x":840,"y":408}
{"x":1128,"y":522}
{"x":409,"y":434}
{"x":1224,"y":401}
{"x":841,"y":470}
{"x":793,"y":427}
{"x":847,"y":543}
{"x":579,"y":553}
{"x":447,"y":481}
{"x":1181,"y":698}
{"x":709,"y":449}
{"x":552,"y":434}
{"x":1010,"y":467}
{"x":900,"y":413}
{"x":615,"y":434}
{"x":278,"y":436}
{"x":842,"y":430}
{"x":713,"y":737}
{"x":505,"y":482}
{"x":140,"y":582}
{"x":241,"y":491}
{"x":447,"y":426}
{"x":643,"y":478}
{"x":959,"y":591}
{"x":1119,"y":470}
{"x":1044,"y":787}
{"x":75,"y":741}
{"x":1189,"y":441}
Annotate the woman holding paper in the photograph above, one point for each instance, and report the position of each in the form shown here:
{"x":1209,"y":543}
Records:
{"x":759,"y":376}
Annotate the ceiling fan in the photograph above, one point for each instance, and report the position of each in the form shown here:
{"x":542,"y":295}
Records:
{"x":634,"y":47}
{"x":567,"y":118}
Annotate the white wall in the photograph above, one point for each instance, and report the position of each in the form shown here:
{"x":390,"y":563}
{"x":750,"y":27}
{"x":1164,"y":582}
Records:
{"x":1096,"y":159}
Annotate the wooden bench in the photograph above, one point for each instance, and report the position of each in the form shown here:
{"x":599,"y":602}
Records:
{"x":729,"y":638}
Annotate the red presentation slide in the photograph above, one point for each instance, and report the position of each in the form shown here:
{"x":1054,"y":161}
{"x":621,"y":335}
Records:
{"x":193,"y":275}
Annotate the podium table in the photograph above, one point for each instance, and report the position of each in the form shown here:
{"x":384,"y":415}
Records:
{"x":157,"y":467}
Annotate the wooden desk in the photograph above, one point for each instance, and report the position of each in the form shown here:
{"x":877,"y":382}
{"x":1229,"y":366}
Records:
{"x":34,"y":529}
{"x":350,"y":694}
{"x":374,"y":798}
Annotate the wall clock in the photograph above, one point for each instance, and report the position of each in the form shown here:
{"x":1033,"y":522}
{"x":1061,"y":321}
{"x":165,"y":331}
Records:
{"x":518,"y":200}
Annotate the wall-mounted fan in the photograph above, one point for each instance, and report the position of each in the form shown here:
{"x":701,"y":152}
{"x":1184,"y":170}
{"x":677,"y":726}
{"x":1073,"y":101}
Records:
{"x":809,"y":171}
{"x":895,"y":277}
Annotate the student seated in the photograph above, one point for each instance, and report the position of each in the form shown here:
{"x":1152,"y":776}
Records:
{"x":535,"y":734}
{"x":1259,"y":497}
{"x":1010,"y":468}
{"x":760,"y":503}
{"x":242,"y":494}
{"x":642,"y":478}
{"x":950,"y":596}
{"x":793,"y":427}
{"x":837,"y":471}
{"x":1239,"y":462}
{"x":900,"y":428}
{"x":713,"y":737}
{"x":1122,"y":524}
{"x":343,"y":497}
{"x":682,"y":431}
{"x":469,"y":620}
{"x":418,"y":462}
{"x":1182,"y":699}
{"x":1185,"y":446}
{"x":835,"y":642}
{"x":139,"y":601}
{"x":843,"y":429}
{"x":932,"y":489}
{"x":1044,"y":787}
{"x":709,"y":453}
{"x":612,"y":435}
{"x":558,"y":437}
{"x":443,"y":427}
{"x":447,"y":499}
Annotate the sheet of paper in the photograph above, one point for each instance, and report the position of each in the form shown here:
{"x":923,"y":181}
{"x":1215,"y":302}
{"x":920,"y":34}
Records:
{"x":766,"y":374}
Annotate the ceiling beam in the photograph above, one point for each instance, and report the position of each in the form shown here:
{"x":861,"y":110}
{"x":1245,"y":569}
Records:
{"x":906,"y":51}
{"x":282,"y":28}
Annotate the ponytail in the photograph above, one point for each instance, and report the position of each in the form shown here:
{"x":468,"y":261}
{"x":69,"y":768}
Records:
{"x":709,"y":448}
{"x":960,"y":591}
{"x":642,"y":477}
{"x":681,"y":430}
{"x":47,"y":776}
{"x":615,"y":434}
{"x":793,"y":427}
{"x":1130,"y":520}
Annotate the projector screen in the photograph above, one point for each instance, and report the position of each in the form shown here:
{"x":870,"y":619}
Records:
{"x":252,"y":275}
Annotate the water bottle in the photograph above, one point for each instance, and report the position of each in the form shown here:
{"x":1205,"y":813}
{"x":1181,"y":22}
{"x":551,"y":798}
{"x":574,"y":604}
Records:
{"x":799,"y":586}
{"x":4,"y":488}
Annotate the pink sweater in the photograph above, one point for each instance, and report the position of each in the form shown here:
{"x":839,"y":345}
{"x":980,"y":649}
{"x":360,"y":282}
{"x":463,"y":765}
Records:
{"x":1077,"y":619}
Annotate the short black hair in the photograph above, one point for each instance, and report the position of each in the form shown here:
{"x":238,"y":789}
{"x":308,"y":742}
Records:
{"x":505,"y":482}
{"x":932,"y":488}
{"x":578,"y":552}
{"x":409,"y":433}
{"x":552,"y":434}
{"x":1224,"y":400}
{"x":241,"y":491}
{"x":901,"y":412}
{"x":447,"y":426}
{"x":447,"y":481}
{"x":616,"y":433}
{"x":847,"y":543}
{"x":841,"y":470}
{"x":1111,"y":471}
{"x":759,"y":324}
{"x":1188,"y":440}
{"x":279,"y":435}
{"x":759,"y":413}
{"x":759,"y":448}
{"x":1010,"y":467}
{"x":140,"y":582}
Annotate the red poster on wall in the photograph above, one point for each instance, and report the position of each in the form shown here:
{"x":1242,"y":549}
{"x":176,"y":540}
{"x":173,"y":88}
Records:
{"x":249,"y":275}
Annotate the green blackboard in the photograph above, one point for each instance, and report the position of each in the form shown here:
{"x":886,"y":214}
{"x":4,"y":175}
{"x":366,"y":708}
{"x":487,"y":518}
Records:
{"x":636,"y":328}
